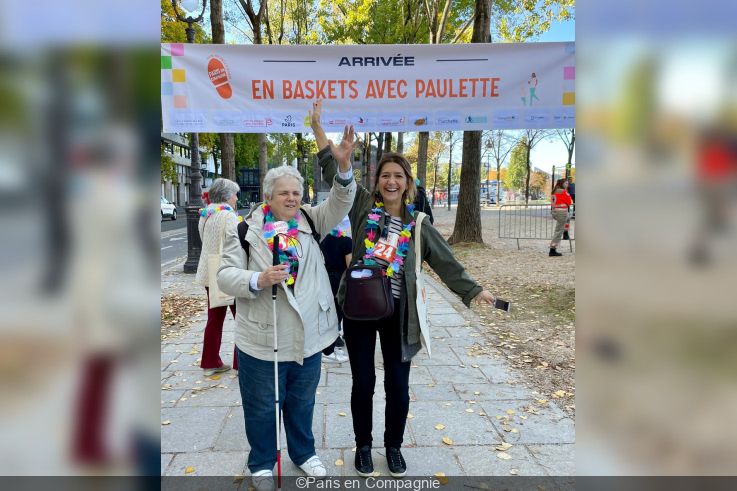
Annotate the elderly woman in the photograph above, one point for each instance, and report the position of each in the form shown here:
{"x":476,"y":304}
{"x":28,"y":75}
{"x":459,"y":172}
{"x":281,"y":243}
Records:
{"x":218,"y":216}
{"x":385,"y":214}
{"x":306,"y":321}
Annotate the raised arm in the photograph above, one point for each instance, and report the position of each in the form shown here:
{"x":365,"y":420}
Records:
{"x":315,"y":113}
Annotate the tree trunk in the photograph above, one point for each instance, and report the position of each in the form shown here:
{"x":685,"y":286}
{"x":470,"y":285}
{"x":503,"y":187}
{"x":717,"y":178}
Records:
{"x":467,"y":226}
{"x":422,"y":158}
{"x":263,"y":165}
{"x":570,"y":151}
{"x":468,"y":217}
{"x":379,"y":146}
{"x":388,"y":142}
{"x":434,"y":181}
{"x":227,"y":157}
{"x":450,"y":172}
{"x":302,"y":167}
{"x":400,"y":142}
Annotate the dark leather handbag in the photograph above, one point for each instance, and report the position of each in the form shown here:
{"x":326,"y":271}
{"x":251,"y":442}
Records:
{"x":368,"y":293}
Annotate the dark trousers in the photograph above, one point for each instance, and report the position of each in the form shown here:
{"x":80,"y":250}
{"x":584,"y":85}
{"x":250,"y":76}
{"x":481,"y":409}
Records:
{"x":360,"y":338}
{"x":214,"y":336}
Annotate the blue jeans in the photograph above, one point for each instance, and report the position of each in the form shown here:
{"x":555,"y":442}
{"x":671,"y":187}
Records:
{"x":297,"y":386}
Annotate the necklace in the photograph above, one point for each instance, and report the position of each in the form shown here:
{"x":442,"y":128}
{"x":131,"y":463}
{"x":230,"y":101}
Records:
{"x":372,"y":229}
{"x":287,"y":253}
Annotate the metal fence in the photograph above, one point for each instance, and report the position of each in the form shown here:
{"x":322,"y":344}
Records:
{"x":520,"y":221}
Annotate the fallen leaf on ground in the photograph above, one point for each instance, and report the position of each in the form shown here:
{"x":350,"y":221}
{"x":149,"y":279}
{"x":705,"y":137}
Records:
{"x":503,"y":447}
{"x":442,"y":479}
{"x":476,"y":393}
{"x":189,"y":470}
{"x":339,"y":462}
{"x":504,"y":455}
{"x":514,"y":472}
{"x":559,"y":393}
{"x":447,"y":440}
{"x":342,"y":414}
{"x":439,"y":426}
{"x":410,"y":415}
{"x":214,"y":377}
{"x":469,"y":410}
{"x":165,"y":423}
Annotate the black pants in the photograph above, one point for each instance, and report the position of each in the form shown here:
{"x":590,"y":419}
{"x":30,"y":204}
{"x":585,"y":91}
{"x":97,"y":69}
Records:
{"x":360,"y":338}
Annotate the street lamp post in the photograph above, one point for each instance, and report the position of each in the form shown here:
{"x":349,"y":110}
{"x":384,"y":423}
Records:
{"x":194,"y":242}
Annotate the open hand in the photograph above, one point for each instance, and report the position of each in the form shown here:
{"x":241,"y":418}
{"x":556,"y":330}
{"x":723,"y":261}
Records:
{"x":315,"y":113}
{"x":342,"y":152}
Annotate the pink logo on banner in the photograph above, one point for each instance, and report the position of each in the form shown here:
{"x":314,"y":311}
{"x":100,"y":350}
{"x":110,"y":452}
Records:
{"x":569,"y":73}
{"x":177,"y":49}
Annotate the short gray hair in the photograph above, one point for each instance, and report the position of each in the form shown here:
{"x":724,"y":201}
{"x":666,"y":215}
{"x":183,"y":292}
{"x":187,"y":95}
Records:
{"x":277,"y":173}
{"x":222,"y":189}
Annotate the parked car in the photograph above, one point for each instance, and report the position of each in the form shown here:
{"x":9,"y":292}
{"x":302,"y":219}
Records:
{"x":168,"y":209}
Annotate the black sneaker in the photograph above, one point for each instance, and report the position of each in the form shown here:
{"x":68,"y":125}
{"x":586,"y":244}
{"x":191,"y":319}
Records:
{"x":364,"y":464}
{"x":397,"y":465}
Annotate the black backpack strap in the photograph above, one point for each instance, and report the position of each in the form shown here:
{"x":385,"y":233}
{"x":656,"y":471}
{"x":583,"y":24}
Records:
{"x":315,"y":235}
{"x":242,"y":229}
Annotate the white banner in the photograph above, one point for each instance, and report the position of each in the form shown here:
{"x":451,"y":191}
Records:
{"x":218,"y":88}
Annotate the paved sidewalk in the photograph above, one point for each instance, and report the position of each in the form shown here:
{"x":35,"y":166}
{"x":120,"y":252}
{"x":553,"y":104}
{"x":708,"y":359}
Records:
{"x":475,"y":396}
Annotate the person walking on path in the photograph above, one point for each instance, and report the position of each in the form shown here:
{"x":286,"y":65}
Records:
{"x":560,"y":201}
{"x":386,"y":212}
{"x":306,"y":321}
{"x":337,"y":249}
{"x":219,"y":215}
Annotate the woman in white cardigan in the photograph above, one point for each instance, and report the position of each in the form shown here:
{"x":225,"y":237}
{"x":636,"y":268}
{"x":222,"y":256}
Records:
{"x":215,"y":219}
{"x":306,"y":321}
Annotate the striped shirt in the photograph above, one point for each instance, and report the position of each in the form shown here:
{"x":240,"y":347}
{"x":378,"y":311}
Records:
{"x":395,"y":227}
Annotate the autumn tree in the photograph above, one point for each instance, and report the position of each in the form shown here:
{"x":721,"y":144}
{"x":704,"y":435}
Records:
{"x":498,"y":145}
{"x":514,"y":179}
{"x":531,"y":138}
{"x":568,"y":137}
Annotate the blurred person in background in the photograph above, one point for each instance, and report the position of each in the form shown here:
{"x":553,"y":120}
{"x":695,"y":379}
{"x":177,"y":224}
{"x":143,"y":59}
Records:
{"x":422,"y":203}
{"x":216,"y":218}
{"x":716,"y":181}
{"x":572,"y":192}
{"x":306,"y":322}
{"x":560,"y":202}
{"x":337,"y":249}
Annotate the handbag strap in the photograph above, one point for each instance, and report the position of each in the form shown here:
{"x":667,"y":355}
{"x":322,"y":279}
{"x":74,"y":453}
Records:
{"x":418,"y":235}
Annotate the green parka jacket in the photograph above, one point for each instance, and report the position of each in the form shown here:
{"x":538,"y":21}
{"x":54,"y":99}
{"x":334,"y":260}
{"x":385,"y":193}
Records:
{"x":435,"y":251}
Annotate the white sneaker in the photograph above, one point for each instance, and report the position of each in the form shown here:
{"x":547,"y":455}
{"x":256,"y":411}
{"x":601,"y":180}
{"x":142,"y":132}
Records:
{"x":263,"y":480}
{"x":314,"y":467}
{"x":337,"y":356}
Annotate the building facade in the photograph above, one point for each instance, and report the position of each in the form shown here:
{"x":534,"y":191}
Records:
{"x":176,"y":145}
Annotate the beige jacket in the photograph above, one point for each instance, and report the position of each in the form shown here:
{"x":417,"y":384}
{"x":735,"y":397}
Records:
{"x":305,"y":318}
{"x":212,"y":235}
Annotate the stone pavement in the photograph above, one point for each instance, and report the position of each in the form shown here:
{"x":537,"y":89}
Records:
{"x":475,"y":396}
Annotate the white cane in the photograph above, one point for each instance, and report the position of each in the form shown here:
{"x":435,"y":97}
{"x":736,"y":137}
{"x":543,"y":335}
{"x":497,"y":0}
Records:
{"x":275,"y":262}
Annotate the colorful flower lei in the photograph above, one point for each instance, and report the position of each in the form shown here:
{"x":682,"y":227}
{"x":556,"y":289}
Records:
{"x":211,"y":210}
{"x":288,"y":255}
{"x":372,"y":229}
